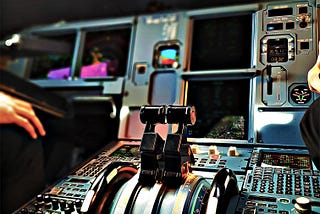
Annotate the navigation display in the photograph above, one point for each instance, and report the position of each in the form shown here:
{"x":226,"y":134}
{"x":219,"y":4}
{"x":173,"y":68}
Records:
{"x":221,"y":43}
{"x":222,"y":108}
{"x":54,"y":66}
{"x":105,"y":53}
{"x":166,"y":56}
{"x":127,"y":151}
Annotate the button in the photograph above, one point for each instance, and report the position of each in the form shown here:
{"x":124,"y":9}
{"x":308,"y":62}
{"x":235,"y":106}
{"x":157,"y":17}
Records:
{"x":232,"y":151}
{"x":55,"y":204}
{"x":195,"y":149}
{"x":213,"y":150}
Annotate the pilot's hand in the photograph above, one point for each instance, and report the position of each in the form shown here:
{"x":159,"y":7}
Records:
{"x":314,"y":76}
{"x":21,"y":113}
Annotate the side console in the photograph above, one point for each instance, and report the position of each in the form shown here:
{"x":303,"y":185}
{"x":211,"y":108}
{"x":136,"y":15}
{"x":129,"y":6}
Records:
{"x":69,"y":194}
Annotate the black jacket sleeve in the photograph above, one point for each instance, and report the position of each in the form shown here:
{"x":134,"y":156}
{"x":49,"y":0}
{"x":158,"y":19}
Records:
{"x":310,"y":131}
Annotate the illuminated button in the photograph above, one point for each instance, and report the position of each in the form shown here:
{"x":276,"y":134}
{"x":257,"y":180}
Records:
{"x":195,"y":149}
{"x":213,"y":150}
{"x":233,"y":151}
{"x":284,"y":200}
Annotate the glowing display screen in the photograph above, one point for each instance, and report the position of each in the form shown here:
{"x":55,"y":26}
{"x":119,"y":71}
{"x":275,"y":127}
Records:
{"x":221,"y":43}
{"x":54,"y":66}
{"x":296,"y":161}
{"x":166,"y":56}
{"x":62,"y":73}
{"x":95,"y":70}
{"x":105,"y":53}
{"x":127,"y":151}
{"x":277,"y":50}
{"x":222,"y":108}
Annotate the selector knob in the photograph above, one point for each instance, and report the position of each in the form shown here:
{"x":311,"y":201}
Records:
{"x":67,"y":210}
{"x":302,"y":205}
{"x":70,"y":205}
{"x":39,"y":198}
{"x":62,"y":204}
{"x":46,"y":199}
{"x":78,"y":204}
{"x":37,"y":205}
{"x":55,"y":204}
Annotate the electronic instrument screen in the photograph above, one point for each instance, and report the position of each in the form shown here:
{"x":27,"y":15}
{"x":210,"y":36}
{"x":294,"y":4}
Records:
{"x":127,"y":151}
{"x":296,"y":161}
{"x":222,"y":108}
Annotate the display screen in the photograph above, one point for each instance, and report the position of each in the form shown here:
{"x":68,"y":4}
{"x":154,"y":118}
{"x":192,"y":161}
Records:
{"x":95,"y":70}
{"x":280,"y":12}
{"x":295,"y":161}
{"x":127,"y":151}
{"x":221,"y":43}
{"x":166,"y":56}
{"x":62,"y":73}
{"x":105,"y":53}
{"x":78,"y":180}
{"x":277,"y":50}
{"x":222,"y":108}
{"x":54,"y":66}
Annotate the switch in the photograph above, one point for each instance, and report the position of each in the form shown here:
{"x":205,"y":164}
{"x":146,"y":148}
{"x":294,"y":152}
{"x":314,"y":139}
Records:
{"x":213,"y":150}
{"x":195,"y":149}
{"x":233,"y":151}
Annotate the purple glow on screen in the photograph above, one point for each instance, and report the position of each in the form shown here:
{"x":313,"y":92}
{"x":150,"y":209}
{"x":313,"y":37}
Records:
{"x":62,"y":73}
{"x":95,"y":70}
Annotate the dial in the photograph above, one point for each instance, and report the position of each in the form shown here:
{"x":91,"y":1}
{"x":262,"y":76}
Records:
{"x":301,"y":94}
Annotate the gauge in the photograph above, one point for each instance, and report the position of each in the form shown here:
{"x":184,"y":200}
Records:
{"x":301,"y":94}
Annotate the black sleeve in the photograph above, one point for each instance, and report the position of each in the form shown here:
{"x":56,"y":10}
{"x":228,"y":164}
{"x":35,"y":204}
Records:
{"x":310,"y":131}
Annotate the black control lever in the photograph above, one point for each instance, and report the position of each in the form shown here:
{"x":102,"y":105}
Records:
{"x":165,"y":161}
{"x":177,"y":152}
{"x":151,"y":144}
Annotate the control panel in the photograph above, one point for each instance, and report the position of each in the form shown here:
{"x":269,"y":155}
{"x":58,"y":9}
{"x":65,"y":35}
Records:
{"x":269,"y":180}
{"x":69,"y":194}
{"x":280,"y":190}
{"x":229,"y":86}
{"x":286,"y":37}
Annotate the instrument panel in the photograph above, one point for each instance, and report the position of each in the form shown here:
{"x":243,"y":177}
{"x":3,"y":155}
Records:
{"x":240,"y":68}
{"x":269,"y":181}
